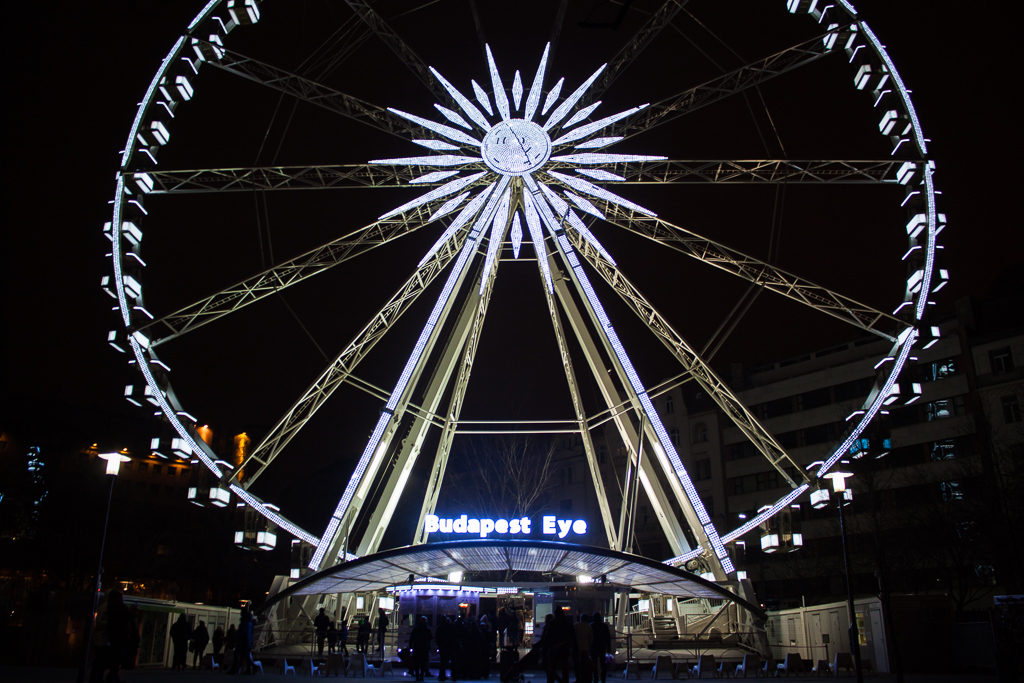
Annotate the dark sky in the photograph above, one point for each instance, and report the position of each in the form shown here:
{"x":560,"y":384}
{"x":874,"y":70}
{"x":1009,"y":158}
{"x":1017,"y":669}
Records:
{"x":79,"y":68}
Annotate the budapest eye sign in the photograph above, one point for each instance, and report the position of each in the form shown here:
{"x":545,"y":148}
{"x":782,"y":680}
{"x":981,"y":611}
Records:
{"x":463,"y":524}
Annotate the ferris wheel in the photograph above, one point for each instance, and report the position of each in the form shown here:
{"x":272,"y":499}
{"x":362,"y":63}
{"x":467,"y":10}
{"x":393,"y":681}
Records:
{"x":494,"y":164}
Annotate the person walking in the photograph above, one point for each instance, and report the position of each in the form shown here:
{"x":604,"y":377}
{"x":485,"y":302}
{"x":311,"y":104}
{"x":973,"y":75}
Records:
{"x":419,"y":642}
{"x":200,"y":637}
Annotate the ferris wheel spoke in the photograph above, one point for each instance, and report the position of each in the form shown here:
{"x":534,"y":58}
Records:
{"x":309,"y":177}
{"x":345,"y":363}
{"x":691,"y":361}
{"x":283,"y":275}
{"x":402,"y":50}
{"x":724,"y":86}
{"x":313,"y":92}
{"x":756,"y":271}
{"x":753,"y":171}
{"x":632,"y":49}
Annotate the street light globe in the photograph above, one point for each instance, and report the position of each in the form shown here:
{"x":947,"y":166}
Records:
{"x":114,"y":461}
{"x":838,"y":480}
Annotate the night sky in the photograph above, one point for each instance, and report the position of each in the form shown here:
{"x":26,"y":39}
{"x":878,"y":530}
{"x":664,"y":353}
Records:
{"x":76,"y":71}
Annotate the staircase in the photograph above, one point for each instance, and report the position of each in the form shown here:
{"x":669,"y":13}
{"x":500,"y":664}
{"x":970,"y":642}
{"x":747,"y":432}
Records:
{"x":664,"y":630}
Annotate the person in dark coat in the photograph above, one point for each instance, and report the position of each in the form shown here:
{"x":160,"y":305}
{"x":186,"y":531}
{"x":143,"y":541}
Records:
{"x":382,"y":629}
{"x":600,"y":646}
{"x":343,"y":637}
{"x":320,"y":623}
{"x":110,"y":638}
{"x":181,"y":631}
{"x":218,"y":641}
{"x":444,"y":634}
{"x":363,"y":636}
{"x":200,"y":637}
{"x":559,"y":645}
{"x":242,"y":662}
{"x":419,"y":642}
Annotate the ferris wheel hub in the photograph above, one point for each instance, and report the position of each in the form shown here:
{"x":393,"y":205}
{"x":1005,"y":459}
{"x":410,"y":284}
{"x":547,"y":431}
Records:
{"x":516,"y":147}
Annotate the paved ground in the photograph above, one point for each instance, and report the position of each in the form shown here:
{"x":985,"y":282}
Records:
{"x":45,"y":675}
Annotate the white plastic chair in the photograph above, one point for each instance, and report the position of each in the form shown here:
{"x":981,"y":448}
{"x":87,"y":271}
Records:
{"x":750,"y":663}
{"x":314,"y":668}
{"x":663,"y":667}
{"x":289,"y":669}
{"x":256,"y":664}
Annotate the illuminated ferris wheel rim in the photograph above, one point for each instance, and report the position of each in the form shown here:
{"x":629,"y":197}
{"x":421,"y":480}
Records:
{"x":848,"y":27}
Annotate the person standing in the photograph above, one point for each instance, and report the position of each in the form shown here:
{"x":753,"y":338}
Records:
{"x":218,"y":641}
{"x":419,"y":642}
{"x":445,"y":637}
{"x":558,"y":650}
{"x":382,"y":630}
{"x":363,"y":636}
{"x":181,"y":631}
{"x":242,"y":661}
{"x":320,"y":623}
{"x":584,"y":636}
{"x":200,"y":637}
{"x":600,"y":646}
{"x":343,"y":637}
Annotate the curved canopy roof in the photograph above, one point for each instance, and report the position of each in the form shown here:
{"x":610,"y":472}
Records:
{"x":527,"y":562}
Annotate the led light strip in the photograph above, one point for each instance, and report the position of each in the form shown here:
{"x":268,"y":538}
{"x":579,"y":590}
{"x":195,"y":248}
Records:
{"x":258,"y":505}
{"x":909,"y":337}
{"x":421,"y":343}
{"x":666,"y":450}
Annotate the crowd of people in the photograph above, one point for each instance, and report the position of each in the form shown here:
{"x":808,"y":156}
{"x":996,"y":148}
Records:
{"x":466,"y":647}
{"x":236,"y":643}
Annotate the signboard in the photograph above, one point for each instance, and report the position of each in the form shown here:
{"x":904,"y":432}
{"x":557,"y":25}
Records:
{"x":550,"y":525}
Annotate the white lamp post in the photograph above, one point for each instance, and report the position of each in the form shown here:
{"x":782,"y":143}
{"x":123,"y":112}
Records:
{"x":114,"y":461}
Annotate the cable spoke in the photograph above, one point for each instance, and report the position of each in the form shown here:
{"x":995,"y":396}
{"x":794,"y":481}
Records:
{"x":346,"y":362}
{"x":631,"y":50}
{"x":314,"y":93}
{"x":691,"y":362}
{"x":283,"y":275}
{"x":756,"y":171}
{"x":756,"y":271}
{"x":311,"y":177}
{"x":405,"y":54}
{"x":724,"y":86}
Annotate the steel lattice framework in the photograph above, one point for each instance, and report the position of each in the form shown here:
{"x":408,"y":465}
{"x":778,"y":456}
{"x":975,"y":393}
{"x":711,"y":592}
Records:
{"x":519,"y":164}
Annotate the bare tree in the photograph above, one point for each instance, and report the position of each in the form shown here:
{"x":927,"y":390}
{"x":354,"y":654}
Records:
{"x":505,"y":476}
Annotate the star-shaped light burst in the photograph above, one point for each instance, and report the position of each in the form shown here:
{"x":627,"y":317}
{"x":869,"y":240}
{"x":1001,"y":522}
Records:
{"x":511,"y":144}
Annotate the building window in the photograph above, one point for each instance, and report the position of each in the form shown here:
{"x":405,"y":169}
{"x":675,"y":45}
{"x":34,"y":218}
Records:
{"x":670,"y":406}
{"x":951,"y":491}
{"x":1011,"y":409}
{"x":1000,"y":360}
{"x":673,"y":434}
{"x":944,"y":450}
{"x":700,"y":432}
{"x":764,"y":481}
{"x":940,"y":369}
{"x":702,"y":469}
